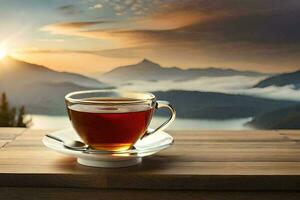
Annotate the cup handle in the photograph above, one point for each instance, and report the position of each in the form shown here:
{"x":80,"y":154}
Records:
{"x":167,"y":105}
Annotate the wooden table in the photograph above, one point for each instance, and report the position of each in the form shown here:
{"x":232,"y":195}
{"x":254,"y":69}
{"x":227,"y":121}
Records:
{"x":200,"y":165}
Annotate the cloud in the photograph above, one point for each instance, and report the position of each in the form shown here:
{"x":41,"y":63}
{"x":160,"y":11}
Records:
{"x":273,"y":92}
{"x":77,"y":25}
{"x":165,"y":21}
{"x":132,"y":7}
{"x":66,"y":7}
{"x":255,"y":22}
{"x":127,"y":32}
{"x":54,"y":51}
{"x":229,"y":85}
{"x":96,"y":6}
{"x":69,"y":9}
{"x":51,"y":40}
{"x":259,"y":34}
{"x":71,"y":28}
{"x":213,"y":84}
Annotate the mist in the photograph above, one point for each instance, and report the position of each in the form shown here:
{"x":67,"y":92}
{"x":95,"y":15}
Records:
{"x":229,"y":85}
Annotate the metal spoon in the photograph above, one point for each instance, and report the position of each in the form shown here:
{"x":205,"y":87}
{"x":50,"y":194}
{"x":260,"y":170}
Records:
{"x":80,"y":146}
{"x":71,"y":144}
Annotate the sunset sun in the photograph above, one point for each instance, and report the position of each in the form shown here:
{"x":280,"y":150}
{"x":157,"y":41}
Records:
{"x":3,"y":53}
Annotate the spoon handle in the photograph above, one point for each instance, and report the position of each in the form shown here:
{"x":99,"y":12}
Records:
{"x":54,"y":138}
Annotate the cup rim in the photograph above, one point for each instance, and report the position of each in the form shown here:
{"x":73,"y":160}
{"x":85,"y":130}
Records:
{"x":147,"y":97}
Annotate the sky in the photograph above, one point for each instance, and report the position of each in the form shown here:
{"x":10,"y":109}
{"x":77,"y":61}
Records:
{"x":94,"y":36}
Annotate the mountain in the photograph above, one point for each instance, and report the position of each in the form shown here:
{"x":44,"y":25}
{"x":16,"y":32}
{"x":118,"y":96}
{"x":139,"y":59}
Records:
{"x":40,"y":89}
{"x":44,"y":98}
{"x":292,"y":78}
{"x":20,"y":72}
{"x":148,"y":70}
{"x":286,"y":118}
{"x":212,"y":105}
{"x":188,"y":104}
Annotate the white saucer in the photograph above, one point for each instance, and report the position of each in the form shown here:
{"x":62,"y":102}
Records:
{"x":147,"y":146}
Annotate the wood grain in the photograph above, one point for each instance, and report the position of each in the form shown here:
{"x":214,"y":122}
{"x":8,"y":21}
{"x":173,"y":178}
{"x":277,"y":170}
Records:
{"x":201,"y":164}
{"x":86,"y":193}
{"x":10,"y":133}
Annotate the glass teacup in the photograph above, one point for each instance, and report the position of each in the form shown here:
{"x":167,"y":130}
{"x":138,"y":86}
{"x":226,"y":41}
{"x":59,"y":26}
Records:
{"x":114,"y":120}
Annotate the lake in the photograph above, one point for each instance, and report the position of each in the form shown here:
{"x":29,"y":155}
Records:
{"x":60,"y":122}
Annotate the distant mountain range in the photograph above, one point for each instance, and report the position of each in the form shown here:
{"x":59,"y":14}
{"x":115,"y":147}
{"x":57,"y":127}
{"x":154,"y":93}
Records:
{"x":40,"y":89}
{"x":189,"y":104}
{"x":150,"y":71}
{"x":212,"y":105}
{"x":285,"y":118}
{"x":292,"y":78}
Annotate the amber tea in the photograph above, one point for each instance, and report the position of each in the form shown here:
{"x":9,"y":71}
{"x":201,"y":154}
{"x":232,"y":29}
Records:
{"x":111,"y":128}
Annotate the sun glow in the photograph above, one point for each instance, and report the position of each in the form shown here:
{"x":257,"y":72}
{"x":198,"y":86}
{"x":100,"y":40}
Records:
{"x":3,"y":53}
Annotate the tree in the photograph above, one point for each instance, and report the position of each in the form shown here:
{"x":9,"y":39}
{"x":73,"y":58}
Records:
{"x":4,"y":111}
{"x":9,"y":116}
{"x":21,"y":121}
